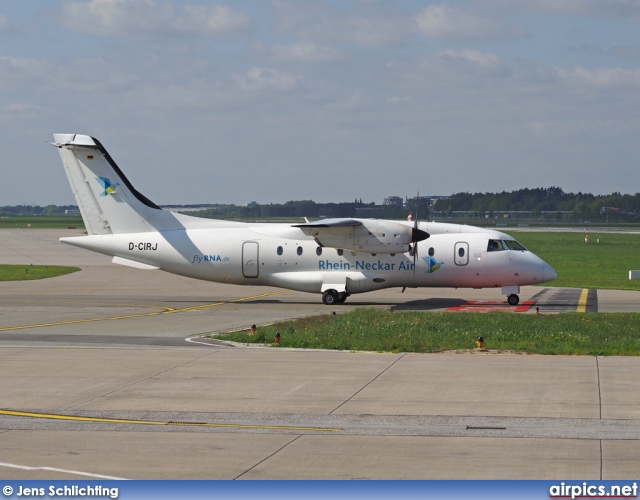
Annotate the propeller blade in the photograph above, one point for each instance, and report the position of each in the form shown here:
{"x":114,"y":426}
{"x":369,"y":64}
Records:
{"x":415,"y":234}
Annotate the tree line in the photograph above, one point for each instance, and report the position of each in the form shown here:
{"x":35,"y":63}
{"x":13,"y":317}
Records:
{"x":537,"y":203}
{"x":49,"y":210}
{"x":543,"y":202}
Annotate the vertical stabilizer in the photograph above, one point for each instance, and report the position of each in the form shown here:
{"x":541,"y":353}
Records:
{"x":106,"y":199}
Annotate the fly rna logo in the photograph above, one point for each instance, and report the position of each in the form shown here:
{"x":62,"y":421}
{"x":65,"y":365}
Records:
{"x":432,"y":264}
{"x":108,"y":187}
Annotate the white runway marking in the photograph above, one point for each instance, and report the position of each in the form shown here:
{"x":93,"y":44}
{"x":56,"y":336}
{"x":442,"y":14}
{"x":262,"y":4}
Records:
{"x":26,"y":467}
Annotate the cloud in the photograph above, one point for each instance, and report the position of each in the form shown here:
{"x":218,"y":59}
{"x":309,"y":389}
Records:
{"x":23,"y":110}
{"x":442,"y":21}
{"x":483,"y":59}
{"x":621,"y":51}
{"x":602,"y":78}
{"x":267,"y":79}
{"x":16,"y":72}
{"x":376,"y":31}
{"x":76,"y":75}
{"x":4,"y":25}
{"x":307,"y":52}
{"x":324,"y":23}
{"x":611,"y":9}
{"x":142,"y":18}
{"x":216,"y":20}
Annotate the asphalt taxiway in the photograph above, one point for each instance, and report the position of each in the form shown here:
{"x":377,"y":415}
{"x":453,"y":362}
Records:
{"x":105,"y":374}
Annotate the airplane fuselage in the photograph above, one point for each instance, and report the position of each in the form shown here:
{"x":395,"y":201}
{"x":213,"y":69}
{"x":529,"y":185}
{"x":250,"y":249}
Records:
{"x":279,"y":255}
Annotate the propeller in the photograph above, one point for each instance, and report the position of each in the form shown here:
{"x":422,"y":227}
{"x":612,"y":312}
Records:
{"x":417,"y":234}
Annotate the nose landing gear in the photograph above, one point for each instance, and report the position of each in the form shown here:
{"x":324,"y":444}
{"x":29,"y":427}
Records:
{"x":511,"y":291}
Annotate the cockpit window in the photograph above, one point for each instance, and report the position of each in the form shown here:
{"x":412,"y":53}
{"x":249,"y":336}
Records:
{"x":514,"y":245}
{"x":497,"y":245}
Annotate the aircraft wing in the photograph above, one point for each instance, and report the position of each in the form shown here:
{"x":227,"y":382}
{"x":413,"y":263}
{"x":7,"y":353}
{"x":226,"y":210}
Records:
{"x":329,"y":223}
{"x":363,"y":235}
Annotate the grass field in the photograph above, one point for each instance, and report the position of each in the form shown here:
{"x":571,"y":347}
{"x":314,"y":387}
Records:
{"x":602,"y":265}
{"x":40,"y":222}
{"x":29,"y":272}
{"x":383,"y":331}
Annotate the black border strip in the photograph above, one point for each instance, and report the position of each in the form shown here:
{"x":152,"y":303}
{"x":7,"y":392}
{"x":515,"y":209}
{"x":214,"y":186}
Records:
{"x":141,"y":198}
{"x":592,"y":301}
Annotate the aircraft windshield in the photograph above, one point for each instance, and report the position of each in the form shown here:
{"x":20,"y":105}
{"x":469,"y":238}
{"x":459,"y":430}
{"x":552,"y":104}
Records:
{"x":514,"y":245}
{"x":497,"y":245}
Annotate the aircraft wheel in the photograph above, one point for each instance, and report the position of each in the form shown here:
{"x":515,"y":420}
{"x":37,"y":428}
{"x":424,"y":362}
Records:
{"x":330,"y":297}
{"x":341,"y":297}
{"x":513,"y":299}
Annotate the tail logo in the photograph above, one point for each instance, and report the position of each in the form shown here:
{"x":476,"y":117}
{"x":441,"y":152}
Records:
{"x":108,"y":187}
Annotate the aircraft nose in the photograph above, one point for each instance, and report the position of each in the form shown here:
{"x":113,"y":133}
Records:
{"x":548,"y":273}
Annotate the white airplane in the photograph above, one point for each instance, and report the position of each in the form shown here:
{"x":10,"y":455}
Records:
{"x":334,"y":257}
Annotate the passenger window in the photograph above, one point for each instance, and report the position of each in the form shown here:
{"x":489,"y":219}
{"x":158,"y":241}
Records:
{"x":279,"y":250}
{"x":319,"y":251}
{"x":299,"y":250}
{"x":431,"y":251}
{"x":461,"y":252}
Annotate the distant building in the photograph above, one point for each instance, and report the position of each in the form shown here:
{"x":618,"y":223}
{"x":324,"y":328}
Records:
{"x":616,"y":211}
{"x":609,"y":210}
{"x":393,"y":200}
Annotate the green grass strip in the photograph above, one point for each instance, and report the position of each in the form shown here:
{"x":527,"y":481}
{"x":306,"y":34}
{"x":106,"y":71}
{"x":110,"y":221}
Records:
{"x":40,"y":222}
{"x":603,"y":265}
{"x":29,"y":272}
{"x":602,"y":334}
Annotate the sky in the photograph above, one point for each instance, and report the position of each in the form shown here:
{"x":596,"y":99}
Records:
{"x":329,"y":100}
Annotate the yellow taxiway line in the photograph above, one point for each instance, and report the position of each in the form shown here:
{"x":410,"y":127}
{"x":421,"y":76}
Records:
{"x":582,"y":303}
{"x":158,"y":422}
{"x":166,"y":310}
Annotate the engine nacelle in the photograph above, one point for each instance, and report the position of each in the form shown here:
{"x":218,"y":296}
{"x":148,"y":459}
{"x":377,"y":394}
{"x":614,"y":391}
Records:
{"x":364,"y":235}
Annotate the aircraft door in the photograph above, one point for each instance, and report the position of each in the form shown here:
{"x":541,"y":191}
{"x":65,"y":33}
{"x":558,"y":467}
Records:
{"x":461,"y":253}
{"x":250,"y":267}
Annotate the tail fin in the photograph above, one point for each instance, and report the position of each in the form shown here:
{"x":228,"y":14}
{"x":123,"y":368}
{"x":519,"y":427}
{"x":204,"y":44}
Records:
{"x":106,"y":199}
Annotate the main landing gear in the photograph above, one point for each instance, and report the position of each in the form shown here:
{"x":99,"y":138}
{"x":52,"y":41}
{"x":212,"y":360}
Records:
{"x":513,"y":299}
{"x":331,"y":297}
